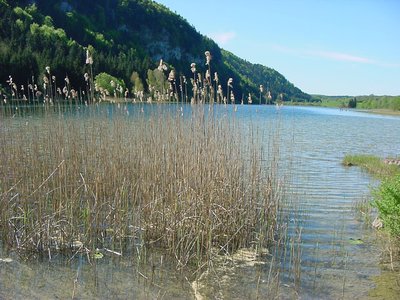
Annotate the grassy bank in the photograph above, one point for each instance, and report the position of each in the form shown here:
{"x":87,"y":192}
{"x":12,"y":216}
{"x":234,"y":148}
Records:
{"x":186,"y":184}
{"x":388,"y":112}
{"x":372,"y":164}
{"x":386,"y":197}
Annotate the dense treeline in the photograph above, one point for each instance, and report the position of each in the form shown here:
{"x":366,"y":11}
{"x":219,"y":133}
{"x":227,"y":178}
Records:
{"x":127,"y":38}
{"x":378,"y":102}
{"x":361,"y":102}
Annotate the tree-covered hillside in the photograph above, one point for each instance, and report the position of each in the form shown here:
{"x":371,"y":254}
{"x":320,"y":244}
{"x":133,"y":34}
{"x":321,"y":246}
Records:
{"x":126,"y":39}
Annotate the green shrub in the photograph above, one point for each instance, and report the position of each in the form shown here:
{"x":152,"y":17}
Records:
{"x":387,"y":200}
{"x":111,"y":84}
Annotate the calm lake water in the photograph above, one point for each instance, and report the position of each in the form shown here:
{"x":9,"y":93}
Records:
{"x":338,"y":255}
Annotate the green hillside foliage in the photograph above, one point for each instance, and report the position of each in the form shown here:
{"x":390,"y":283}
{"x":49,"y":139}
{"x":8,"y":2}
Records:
{"x":128,"y":36}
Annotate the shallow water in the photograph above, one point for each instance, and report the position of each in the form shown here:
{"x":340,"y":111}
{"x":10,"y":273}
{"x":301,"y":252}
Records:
{"x":339,"y":254}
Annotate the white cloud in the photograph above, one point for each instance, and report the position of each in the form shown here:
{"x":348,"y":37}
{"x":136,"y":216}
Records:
{"x":342,"y":57}
{"x":222,"y":38}
{"x":332,"y":55}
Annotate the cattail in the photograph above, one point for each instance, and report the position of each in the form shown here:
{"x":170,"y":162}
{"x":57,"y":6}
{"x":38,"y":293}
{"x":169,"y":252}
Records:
{"x":89,"y":58}
{"x":216,"y":79}
{"x":162,"y":66}
{"x":269,"y":95}
{"x":261,"y":91}
{"x":220,"y":92}
{"x":66,"y":79}
{"x":208,"y":76}
{"x":232,"y":97}
{"x":171,"y":76}
{"x":48,"y":70}
{"x":250,"y":101}
{"x":45,"y":79}
{"x":208,"y":57}
{"x":53,"y":78}
{"x":230,"y":81}
{"x":193,"y":67}
{"x":74,"y":93}
{"x":86,"y":76}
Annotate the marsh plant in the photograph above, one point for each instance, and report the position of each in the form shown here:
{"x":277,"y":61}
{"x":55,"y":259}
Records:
{"x":161,"y":86}
{"x":192,"y":185}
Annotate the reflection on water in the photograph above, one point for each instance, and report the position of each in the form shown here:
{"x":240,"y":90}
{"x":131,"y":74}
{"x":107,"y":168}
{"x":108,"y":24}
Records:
{"x":339,"y":254}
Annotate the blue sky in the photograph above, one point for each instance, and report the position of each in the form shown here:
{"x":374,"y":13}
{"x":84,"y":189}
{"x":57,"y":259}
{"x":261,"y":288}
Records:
{"x":330,"y":47}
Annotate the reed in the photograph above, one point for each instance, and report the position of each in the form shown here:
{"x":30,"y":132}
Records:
{"x":96,"y":177}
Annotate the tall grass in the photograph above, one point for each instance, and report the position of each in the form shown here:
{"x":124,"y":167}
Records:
{"x":188,"y":184}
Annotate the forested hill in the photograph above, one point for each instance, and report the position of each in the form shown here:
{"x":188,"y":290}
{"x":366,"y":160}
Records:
{"x":127,"y":38}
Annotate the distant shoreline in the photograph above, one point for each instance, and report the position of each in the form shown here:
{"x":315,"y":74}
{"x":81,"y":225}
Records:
{"x":382,"y":111}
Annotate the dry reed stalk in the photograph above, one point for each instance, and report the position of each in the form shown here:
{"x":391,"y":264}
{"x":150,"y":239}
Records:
{"x":97,"y":178}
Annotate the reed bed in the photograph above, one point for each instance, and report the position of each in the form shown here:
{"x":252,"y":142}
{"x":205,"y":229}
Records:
{"x":188,"y":184}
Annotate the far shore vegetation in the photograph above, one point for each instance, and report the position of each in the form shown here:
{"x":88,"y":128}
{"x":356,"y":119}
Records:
{"x":371,"y":103}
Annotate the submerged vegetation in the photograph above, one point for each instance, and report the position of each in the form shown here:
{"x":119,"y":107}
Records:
{"x":191,"y":184}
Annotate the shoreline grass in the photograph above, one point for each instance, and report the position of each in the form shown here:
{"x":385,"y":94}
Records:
{"x":386,"y":199}
{"x":372,"y":164}
{"x":388,"y":112}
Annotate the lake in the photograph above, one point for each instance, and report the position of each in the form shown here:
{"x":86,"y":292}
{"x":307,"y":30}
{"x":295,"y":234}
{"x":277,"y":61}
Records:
{"x":330,"y":252}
